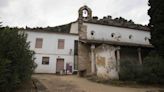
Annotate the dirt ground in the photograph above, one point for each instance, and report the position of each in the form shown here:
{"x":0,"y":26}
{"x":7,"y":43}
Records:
{"x":73,"y":83}
{"x":27,"y":86}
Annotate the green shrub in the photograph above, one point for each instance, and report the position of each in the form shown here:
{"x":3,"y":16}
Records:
{"x":153,"y":70}
{"x":150,"y":72}
{"x":16,"y":60}
{"x":129,"y":70}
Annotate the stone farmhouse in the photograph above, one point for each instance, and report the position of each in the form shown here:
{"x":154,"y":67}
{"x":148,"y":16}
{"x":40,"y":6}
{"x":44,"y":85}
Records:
{"x":89,"y":45}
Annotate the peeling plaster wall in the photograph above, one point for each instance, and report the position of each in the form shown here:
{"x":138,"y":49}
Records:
{"x":106,"y":62}
{"x":84,"y":62}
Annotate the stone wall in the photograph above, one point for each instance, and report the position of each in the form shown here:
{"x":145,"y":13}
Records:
{"x":84,"y":61}
{"x":83,"y":32}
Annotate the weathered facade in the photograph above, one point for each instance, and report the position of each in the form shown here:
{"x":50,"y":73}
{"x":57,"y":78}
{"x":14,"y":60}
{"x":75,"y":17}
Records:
{"x":54,"y":49}
{"x":105,"y":42}
{"x":89,"y":45}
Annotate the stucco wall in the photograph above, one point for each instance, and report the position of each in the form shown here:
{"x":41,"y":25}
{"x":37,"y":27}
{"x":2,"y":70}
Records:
{"x":50,"y":49}
{"x":106,"y":62}
{"x":51,"y":68}
{"x":103,"y":33}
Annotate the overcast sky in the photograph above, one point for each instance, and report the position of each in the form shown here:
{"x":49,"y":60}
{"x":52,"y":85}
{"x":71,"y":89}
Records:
{"x":56,"y":12}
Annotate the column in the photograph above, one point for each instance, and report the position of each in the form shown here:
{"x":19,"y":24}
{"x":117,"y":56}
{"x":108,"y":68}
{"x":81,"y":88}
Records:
{"x":139,"y":55}
{"x":118,"y":58}
{"x":92,"y":59}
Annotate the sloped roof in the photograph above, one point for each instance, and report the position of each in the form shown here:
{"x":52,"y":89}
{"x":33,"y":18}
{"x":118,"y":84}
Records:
{"x":117,"y":22}
{"x":57,"y":29}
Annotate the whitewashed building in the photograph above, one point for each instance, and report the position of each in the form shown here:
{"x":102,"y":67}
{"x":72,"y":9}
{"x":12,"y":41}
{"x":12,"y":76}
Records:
{"x":54,"y":51}
{"x":89,"y":45}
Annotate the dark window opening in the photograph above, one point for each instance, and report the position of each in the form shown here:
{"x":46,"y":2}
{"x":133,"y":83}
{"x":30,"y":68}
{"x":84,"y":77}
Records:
{"x":45,"y":60}
{"x":112,"y":35}
{"x":130,"y":36}
{"x":92,"y":32}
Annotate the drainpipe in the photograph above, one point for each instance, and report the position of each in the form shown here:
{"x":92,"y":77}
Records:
{"x":92,"y":59}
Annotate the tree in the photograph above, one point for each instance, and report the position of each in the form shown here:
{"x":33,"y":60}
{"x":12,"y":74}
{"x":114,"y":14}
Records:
{"x":153,"y":70}
{"x":153,"y":63}
{"x":16,"y":60}
{"x":156,"y":13}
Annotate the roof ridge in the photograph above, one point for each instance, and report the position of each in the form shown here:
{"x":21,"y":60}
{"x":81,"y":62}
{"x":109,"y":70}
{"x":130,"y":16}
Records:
{"x":119,"y":22}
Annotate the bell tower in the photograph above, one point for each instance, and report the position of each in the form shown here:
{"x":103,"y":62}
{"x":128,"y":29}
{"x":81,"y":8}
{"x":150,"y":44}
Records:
{"x":85,"y":13}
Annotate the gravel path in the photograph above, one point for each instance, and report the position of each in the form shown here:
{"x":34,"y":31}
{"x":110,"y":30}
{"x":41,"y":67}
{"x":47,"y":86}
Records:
{"x":72,"y":83}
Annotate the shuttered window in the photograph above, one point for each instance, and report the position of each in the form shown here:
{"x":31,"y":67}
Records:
{"x":39,"y":42}
{"x":60,"y":43}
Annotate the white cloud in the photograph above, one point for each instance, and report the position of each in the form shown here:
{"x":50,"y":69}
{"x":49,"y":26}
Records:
{"x":56,"y":12}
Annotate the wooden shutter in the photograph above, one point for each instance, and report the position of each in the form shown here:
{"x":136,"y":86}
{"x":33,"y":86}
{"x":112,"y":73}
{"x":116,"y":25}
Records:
{"x":59,"y":65}
{"x":61,"y":44}
{"x":39,"y":42}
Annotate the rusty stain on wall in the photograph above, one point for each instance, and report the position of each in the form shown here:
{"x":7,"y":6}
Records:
{"x":100,"y":61}
{"x":106,"y":62}
{"x":110,"y":65}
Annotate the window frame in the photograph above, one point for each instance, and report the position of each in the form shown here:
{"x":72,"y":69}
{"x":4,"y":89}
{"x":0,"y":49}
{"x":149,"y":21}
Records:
{"x":59,"y":44}
{"x":37,"y":44}
{"x":44,"y":62}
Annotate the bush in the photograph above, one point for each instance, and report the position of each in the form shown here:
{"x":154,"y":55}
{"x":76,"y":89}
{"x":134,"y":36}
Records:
{"x":150,"y":72}
{"x":153,"y":70}
{"x":16,"y":60}
{"x":129,"y":70}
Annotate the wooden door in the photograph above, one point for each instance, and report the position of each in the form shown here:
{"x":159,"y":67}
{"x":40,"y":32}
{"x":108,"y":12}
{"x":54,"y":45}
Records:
{"x":59,"y":65}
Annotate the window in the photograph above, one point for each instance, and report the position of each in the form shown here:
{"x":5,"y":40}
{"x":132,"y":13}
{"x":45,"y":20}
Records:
{"x":61,"y":44}
{"x":85,"y":13}
{"x":112,"y":35}
{"x":146,"y":39}
{"x":130,"y":37}
{"x":39,"y":42}
{"x":76,"y":47}
{"x":92,"y":32}
{"x":45,"y":60}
